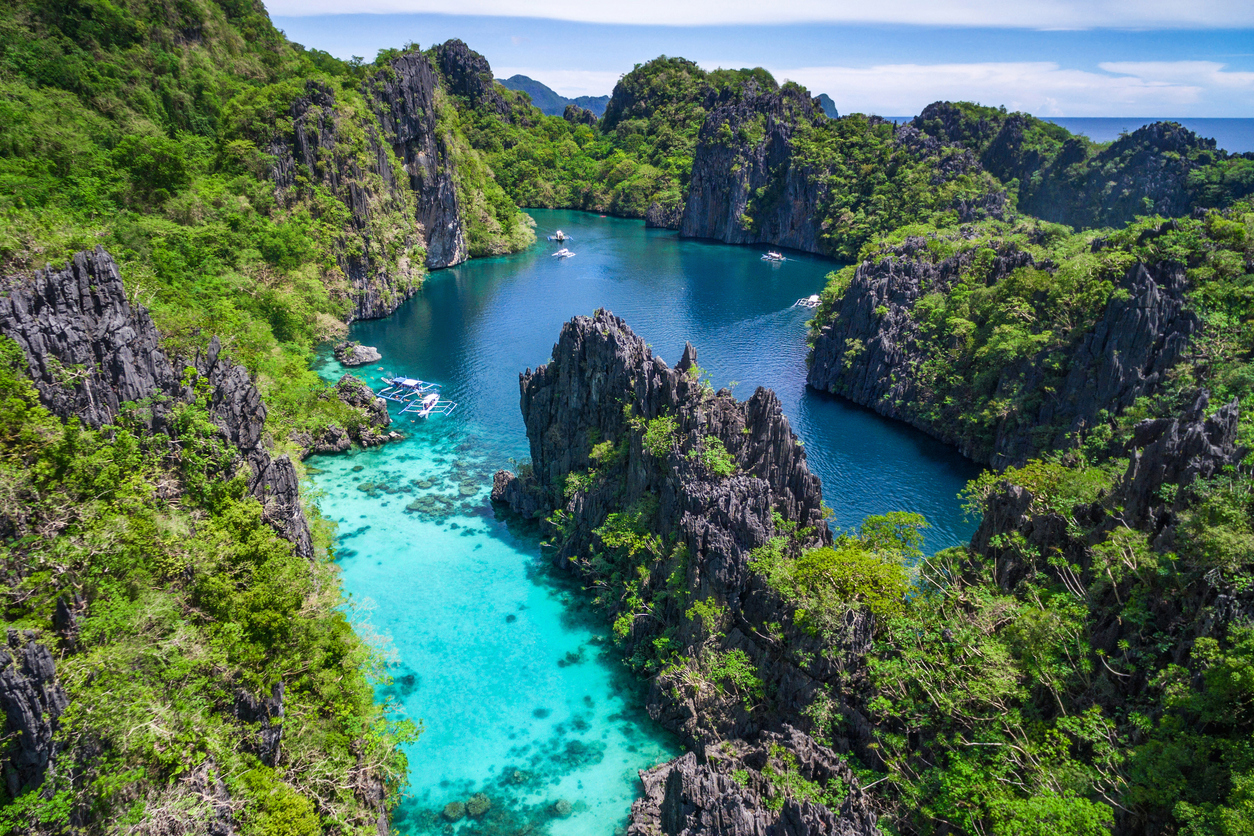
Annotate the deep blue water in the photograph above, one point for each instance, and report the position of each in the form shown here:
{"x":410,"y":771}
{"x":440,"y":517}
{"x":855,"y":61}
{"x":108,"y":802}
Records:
{"x":521,"y":695}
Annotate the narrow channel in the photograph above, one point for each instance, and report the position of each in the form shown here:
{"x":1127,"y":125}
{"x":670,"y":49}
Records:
{"x":520,"y":692}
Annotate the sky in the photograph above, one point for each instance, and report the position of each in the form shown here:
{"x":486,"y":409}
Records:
{"x":1183,"y":58}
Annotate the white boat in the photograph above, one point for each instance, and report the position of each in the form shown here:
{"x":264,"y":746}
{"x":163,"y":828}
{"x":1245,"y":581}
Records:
{"x":428,"y":404}
{"x":559,"y":237}
{"x":807,"y":302}
{"x":773,"y":256}
{"x":563,"y":253}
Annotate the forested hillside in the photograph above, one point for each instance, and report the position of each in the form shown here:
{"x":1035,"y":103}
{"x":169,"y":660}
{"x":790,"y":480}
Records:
{"x":191,"y":204}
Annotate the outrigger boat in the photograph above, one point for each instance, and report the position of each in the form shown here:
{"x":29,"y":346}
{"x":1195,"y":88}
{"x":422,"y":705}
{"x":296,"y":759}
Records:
{"x":429,"y":405}
{"x":559,"y":237}
{"x":773,"y":256}
{"x":563,"y":253}
{"x":420,"y":398}
{"x":404,"y":389}
{"x":807,"y":302}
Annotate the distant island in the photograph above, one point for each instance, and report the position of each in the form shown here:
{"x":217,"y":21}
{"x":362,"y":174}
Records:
{"x":549,"y":101}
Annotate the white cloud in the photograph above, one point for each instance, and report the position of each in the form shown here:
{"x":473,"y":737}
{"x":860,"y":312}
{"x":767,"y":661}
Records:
{"x":1204,"y":73}
{"x":1033,"y":14}
{"x":569,"y":83}
{"x":1039,"y":87}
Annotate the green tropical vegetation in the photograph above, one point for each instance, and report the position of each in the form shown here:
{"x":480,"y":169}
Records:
{"x":154,"y":128}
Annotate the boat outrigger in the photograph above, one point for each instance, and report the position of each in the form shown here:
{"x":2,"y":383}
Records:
{"x":563,"y":253}
{"x":773,"y":256}
{"x":420,"y":398}
{"x":429,"y":405}
{"x":403,"y":389}
{"x":559,"y":237}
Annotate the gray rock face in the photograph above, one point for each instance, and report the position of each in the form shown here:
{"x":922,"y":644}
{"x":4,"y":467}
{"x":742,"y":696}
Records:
{"x":89,"y":351}
{"x":469,"y":74}
{"x":356,"y":354}
{"x":748,"y":187}
{"x":870,"y":349}
{"x":87,"y":348}
{"x":403,"y":96}
{"x":726,"y":173}
{"x":32,"y":701}
{"x":694,"y":795}
{"x":267,"y":713}
{"x":1176,"y":451}
{"x":600,"y":371}
{"x":315,"y":148}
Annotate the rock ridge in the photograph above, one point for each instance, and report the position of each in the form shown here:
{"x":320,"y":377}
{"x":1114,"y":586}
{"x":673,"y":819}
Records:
{"x":604,"y":387}
{"x":870,"y":349}
{"x":89,"y":350}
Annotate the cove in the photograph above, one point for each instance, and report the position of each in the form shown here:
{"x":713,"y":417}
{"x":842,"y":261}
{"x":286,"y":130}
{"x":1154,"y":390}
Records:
{"x":519,"y":689}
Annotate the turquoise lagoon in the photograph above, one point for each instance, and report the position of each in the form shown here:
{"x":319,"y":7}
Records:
{"x":521,"y":695}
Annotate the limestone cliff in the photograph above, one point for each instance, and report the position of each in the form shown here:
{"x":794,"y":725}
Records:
{"x":746,"y":187}
{"x":380,"y":248}
{"x":616,"y":435}
{"x":1161,"y":168}
{"x":403,"y":97}
{"x":89,"y":350}
{"x":870,"y":352}
{"x":32,"y":702}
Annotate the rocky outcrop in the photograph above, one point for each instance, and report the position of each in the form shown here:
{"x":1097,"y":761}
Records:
{"x":664,"y":214}
{"x":1067,"y":179}
{"x":366,"y":426}
{"x":356,"y":354}
{"x":588,"y":413}
{"x":89,"y":351}
{"x":1176,"y":451}
{"x":745,"y":187}
{"x":577,"y":115}
{"x":870,"y":352}
{"x":267,"y":714}
{"x":367,"y":180}
{"x":404,"y":99}
{"x":468,"y":74}
{"x":32,"y":701}
{"x":725,"y":792}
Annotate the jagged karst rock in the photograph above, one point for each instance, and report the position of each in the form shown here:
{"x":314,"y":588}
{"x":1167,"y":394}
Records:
{"x":869,"y":350}
{"x":367,"y":184}
{"x":87,"y":348}
{"x":1148,"y":171}
{"x":599,"y":366}
{"x":577,"y":115}
{"x":469,"y":74}
{"x":32,"y":701}
{"x":725,"y":175}
{"x":356,"y":354}
{"x":697,"y":795}
{"x":267,"y":712}
{"x":748,"y":187}
{"x":1176,"y":451}
{"x":669,"y":215}
{"x":403,"y":97}
{"x":368,"y":430}
{"x":89,"y":351}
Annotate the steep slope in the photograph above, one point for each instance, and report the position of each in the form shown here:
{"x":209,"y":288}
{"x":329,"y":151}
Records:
{"x":1161,"y":168}
{"x":157,"y":546}
{"x":659,"y":489}
{"x":1010,"y":341}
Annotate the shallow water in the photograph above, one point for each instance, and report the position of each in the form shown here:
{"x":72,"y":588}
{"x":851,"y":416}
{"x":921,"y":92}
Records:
{"x":521,"y":697}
